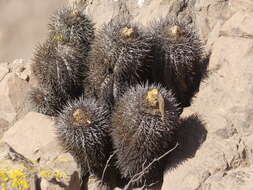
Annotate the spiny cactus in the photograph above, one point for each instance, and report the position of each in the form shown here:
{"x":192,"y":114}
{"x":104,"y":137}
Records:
{"x":112,"y":125}
{"x":72,"y":26}
{"x":60,"y":67}
{"x":83,"y":130}
{"x":60,"y":63}
{"x":142,"y":130}
{"x":118,"y":57}
{"x":45,"y":102}
{"x":179,"y":60}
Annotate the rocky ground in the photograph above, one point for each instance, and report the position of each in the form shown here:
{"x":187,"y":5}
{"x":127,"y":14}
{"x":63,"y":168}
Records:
{"x":30,"y":152}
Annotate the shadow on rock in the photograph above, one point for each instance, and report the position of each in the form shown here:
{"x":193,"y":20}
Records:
{"x":190,"y":135}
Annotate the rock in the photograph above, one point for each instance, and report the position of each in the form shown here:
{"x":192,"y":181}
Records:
{"x":13,"y":92}
{"x":141,"y":11}
{"x":46,"y":185}
{"x":239,"y":25}
{"x":34,"y":129}
{"x":3,"y":127}
{"x":15,"y":169}
{"x":241,"y":5}
{"x":228,"y":88}
{"x":24,"y":74}
{"x":8,"y":154}
{"x":77,"y":3}
{"x":17,"y":65}
{"x":208,"y":13}
{"x":213,"y":36}
{"x":33,"y":139}
{"x":3,"y":72}
{"x":21,"y":68}
{"x":238,"y":179}
{"x":212,"y":161}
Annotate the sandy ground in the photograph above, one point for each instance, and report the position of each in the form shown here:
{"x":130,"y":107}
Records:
{"x":23,"y":24}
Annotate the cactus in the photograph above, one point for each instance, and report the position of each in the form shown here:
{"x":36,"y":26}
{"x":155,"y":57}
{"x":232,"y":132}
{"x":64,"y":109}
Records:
{"x":143,"y":124}
{"x":60,"y":70}
{"x":83,"y":130}
{"x":113,"y":125}
{"x":179,"y":60}
{"x":118,"y":57}
{"x":45,"y":102}
{"x":71,"y":26}
{"x":60,"y":63}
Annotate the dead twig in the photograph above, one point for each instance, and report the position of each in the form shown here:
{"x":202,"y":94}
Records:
{"x":107,"y":165}
{"x":150,"y":185}
{"x":137,"y":176}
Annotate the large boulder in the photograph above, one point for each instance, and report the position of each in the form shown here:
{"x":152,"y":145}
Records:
{"x":35,"y":130}
{"x":142,"y":11}
{"x":16,"y":80}
{"x":3,"y":71}
{"x":3,"y":126}
{"x":33,"y":138}
{"x":13,"y":92}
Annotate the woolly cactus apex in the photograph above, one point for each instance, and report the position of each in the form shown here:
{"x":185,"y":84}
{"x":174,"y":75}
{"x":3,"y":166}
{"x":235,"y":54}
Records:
{"x":143,"y":125}
{"x":45,"y":102}
{"x":118,"y":57}
{"x":72,"y":26}
{"x":179,"y":60}
{"x":60,"y":67}
{"x":83,"y":130}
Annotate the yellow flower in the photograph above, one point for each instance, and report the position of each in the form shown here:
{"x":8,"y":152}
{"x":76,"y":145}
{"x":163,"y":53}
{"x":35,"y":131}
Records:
{"x":62,"y":160}
{"x":4,"y":186}
{"x":48,"y":174}
{"x":19,"y":179}
{"x":3,"y":176}
{"x":58,"y":37}
{"x":152,"y":96}
{"x":60,"y":175}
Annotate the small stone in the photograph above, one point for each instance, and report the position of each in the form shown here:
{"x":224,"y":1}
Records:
{"x":3,"y":72}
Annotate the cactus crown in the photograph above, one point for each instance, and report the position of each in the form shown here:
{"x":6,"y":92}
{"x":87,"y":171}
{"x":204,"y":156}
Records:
{"x":58,"y":37}
{"x":129,"y":33}
{"x":175,"y":31}
{"x":80,"y":118}
{"x":156,"y":100}
{"x":152,"y":97}
{"x":70,"y":25}
{"x":75,"y":13}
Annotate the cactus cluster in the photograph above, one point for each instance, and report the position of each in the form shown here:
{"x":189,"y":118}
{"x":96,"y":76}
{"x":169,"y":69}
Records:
{"x":60,"y":63}
{"x":178,"y":52}
{"x":117,"y":96}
